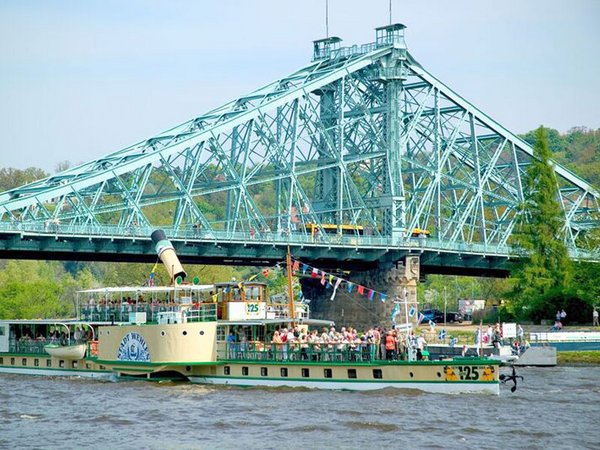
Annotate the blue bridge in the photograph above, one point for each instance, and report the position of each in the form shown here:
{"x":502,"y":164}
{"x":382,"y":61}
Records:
{"x":356,"y":160}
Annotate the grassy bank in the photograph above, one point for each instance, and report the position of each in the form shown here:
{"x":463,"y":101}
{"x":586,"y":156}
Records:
{"x":591,"y":357}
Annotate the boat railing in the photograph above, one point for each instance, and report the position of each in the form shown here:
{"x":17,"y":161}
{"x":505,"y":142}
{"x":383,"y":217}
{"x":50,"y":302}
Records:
{"x":202,"y":312}
{"x":104,"y":313}
{"x":34,"y":346}
{"x":258,"y":351}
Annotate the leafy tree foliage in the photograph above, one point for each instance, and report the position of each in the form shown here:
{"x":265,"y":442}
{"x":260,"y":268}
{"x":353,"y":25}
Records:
{"x":545,"y":273}
{"x":11,"y":178}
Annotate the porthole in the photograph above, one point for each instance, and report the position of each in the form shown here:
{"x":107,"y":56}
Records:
{"x":163,"y":333}
{"x":439,"y":375}
{"x":188,"y":368}
{"x":412,"y":375}
{"x":107,"y":331}
{"x":201,"y":332}
{"x":184,"y":333}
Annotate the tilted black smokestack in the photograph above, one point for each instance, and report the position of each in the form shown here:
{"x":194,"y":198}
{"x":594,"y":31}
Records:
{"x":166,"y":253}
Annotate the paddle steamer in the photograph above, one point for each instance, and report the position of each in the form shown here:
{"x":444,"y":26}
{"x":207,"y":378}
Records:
{"x":216,"y":334}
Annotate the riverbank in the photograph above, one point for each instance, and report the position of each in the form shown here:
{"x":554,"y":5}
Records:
{"x":578,"y":358}
{"x":465,"y":335}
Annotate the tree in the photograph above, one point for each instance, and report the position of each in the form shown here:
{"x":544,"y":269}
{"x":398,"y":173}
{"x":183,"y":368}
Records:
{"x":11,"y":178}
{"x":544,"y":274}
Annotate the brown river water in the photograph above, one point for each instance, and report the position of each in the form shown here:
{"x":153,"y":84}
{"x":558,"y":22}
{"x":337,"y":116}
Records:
{"x":553,"y":408}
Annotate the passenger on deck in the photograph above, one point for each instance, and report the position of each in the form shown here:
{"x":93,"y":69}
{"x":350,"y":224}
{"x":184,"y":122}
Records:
{"x":390,"y":345}
{"x":277,"y":344}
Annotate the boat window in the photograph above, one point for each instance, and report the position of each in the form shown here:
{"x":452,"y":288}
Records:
{"x":244,"y":370}
{"x":88,"y":366}
{"x":377,"y":373}
{"x":220,"y":334}
{"x":12,"y":361}
{"x":227,"y":370}
{"x":264,"y":372}
{"x":36,"y":362}
{"x":24,"y":361}
{"x":305,"y":372}
{"x":61,"y":364}
{"x":1,"y":331}
{"x":1,"y":360}
{"x":74,"y":364}
{"x":328,"y":373}
{"x":351,"y":373}
{"x":48,"y":363}
{"x":284,"y":372}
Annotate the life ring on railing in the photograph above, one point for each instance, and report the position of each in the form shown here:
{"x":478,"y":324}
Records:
{"x":94,"y":348}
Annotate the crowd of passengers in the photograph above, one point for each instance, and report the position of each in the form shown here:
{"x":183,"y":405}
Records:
{"x":326,"y":344}
{"x":105,"y":308}
{"x":27,"y":338}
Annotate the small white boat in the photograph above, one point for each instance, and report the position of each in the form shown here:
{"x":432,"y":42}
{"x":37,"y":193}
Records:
{"x":66,"y":351}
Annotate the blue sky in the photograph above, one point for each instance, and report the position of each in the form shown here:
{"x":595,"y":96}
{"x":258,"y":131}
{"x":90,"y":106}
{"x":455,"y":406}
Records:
{"x":79,"y":80}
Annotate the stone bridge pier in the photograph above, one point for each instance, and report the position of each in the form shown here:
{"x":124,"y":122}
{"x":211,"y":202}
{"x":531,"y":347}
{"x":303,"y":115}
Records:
{"x":352,"y":309}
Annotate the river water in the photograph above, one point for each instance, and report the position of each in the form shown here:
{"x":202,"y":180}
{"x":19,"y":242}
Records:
{"x":553,"y":408}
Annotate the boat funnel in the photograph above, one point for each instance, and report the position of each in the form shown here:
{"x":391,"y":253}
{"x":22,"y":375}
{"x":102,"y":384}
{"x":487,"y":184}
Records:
{"x":166,"y":253}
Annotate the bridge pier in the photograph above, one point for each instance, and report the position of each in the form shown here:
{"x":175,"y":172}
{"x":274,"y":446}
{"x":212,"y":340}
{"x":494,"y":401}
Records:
{"x":398,"y":282}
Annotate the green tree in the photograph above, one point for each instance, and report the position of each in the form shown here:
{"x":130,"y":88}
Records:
{"x":544,"y":275}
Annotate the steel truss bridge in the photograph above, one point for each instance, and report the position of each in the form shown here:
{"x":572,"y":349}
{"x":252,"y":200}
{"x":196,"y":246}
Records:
{"x":362,"y":138}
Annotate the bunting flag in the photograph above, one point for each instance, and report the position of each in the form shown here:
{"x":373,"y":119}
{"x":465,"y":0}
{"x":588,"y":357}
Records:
{"x":453,"y":341}
{"x":420,"y":319}
{"x":265,"y":273}
{"x":432,"y":325}
{"x":215,"y":297}
{"x":412,"y":311}
{"x":226,"y":290}
{"x":331,"y":281}
{"x":296,"y":266}
{"x":395,"y":312}
{"x":253,"y":277}
{"x":442,"y":335}
{"x":335,"y":288}
{"x":151,"y":276}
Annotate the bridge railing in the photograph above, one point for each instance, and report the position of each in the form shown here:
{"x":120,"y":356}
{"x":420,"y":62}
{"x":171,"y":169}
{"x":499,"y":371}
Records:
{"x":276,"y":237}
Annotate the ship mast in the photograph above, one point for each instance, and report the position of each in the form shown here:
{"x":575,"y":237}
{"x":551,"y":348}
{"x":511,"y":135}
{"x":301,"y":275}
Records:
{"x":291,"y":309}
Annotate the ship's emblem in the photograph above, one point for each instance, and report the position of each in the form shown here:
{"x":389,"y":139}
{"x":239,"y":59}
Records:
{"x":133,"y":347}
{"x":488,"y":374}
{"x":450,"y":374}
